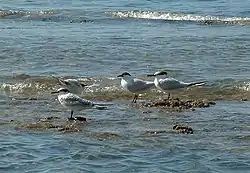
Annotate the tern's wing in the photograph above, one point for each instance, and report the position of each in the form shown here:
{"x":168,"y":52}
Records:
{"x":140,"y":85}
{"x":171,"y":83}
{"x":74,"y":100}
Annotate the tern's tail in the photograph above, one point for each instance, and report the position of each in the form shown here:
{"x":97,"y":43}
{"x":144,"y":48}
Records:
{"x":196,"y":84}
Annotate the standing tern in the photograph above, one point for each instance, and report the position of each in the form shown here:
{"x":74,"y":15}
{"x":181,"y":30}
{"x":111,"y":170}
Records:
{"x":134,"y":85}
{"x":73,"y":85}
{"x":72,"y":101}
{"x":170,"y":85}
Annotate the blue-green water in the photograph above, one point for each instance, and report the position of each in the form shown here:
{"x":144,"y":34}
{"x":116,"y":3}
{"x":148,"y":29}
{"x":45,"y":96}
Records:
{"x":94,"y":42}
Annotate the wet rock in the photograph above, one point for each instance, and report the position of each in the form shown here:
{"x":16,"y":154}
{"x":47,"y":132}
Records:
{"x":40,"y":126}
{"x":244,"y":99}
{"x":183,"y":129}
{"x":68,"y":129}
{"x":178,"y":105}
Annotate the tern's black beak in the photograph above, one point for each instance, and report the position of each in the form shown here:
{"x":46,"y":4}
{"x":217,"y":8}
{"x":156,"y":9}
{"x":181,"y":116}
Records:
{"x":83,"y":85}
{"x":150,"y":75}
{"x":120,"y":75}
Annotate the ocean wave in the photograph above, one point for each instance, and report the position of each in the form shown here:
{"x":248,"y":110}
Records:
{"x":245,"y":86}
{"x":169,"y":16}
{"x":18,"y":13}
{"x":54,"y":15}
{"x":108,"y":89}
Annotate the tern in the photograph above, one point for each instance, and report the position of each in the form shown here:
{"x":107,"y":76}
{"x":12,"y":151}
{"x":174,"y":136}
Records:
{"x":73,"y":85}
{"x":72,"y":101}
{"x":134,"y":85}
{"x":170,"y":85}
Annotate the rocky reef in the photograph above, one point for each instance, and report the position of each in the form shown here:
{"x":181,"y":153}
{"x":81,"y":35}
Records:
{"x":176,"y":104}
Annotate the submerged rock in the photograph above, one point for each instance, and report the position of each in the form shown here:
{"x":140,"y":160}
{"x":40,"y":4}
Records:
{"x":183,"y":129}
{"x":70,"y":128}
{"x":178,"y":105}
{"x":106,"y":136}
{"x":40,"y":126}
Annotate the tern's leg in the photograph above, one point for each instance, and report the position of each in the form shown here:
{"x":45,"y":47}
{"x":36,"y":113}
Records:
{"x":71,"y":114}
{"x":133,"y":101}
{"x":136,"y":97}
{"x":168,"y":96}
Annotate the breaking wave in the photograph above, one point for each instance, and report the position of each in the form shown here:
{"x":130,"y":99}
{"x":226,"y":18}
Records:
{"x":108,"y":89}
{"x":169,"y":16}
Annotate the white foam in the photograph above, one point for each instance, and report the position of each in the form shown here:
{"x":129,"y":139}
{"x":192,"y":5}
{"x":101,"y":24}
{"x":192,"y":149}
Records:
{"x":245,"y":87}
{"x":173,"y":16}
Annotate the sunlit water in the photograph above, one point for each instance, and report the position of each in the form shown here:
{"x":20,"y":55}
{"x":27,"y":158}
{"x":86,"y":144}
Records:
{"x":94,"y":42}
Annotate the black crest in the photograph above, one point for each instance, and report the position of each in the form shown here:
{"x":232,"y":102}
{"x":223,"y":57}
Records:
{"x":124,"y":74}
{"x":161,"y":73}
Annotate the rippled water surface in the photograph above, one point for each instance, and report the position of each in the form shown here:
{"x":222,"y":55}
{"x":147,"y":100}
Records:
{"x":93,"y":42}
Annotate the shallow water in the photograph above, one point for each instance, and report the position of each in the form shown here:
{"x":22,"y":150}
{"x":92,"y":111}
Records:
{"x":94,"y":42}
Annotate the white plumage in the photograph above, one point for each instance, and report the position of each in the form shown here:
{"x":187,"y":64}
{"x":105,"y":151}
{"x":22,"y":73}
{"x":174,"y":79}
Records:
{"x":73,"y":85}
{"x":72,"y":101}
{"x":135,"y":86}
{"x":170,"y":85}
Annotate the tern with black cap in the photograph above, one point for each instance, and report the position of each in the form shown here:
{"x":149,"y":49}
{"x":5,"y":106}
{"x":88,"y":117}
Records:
{"x":170,"y":85}
{"x":72,"y":101}
{"x":134,"y":85}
